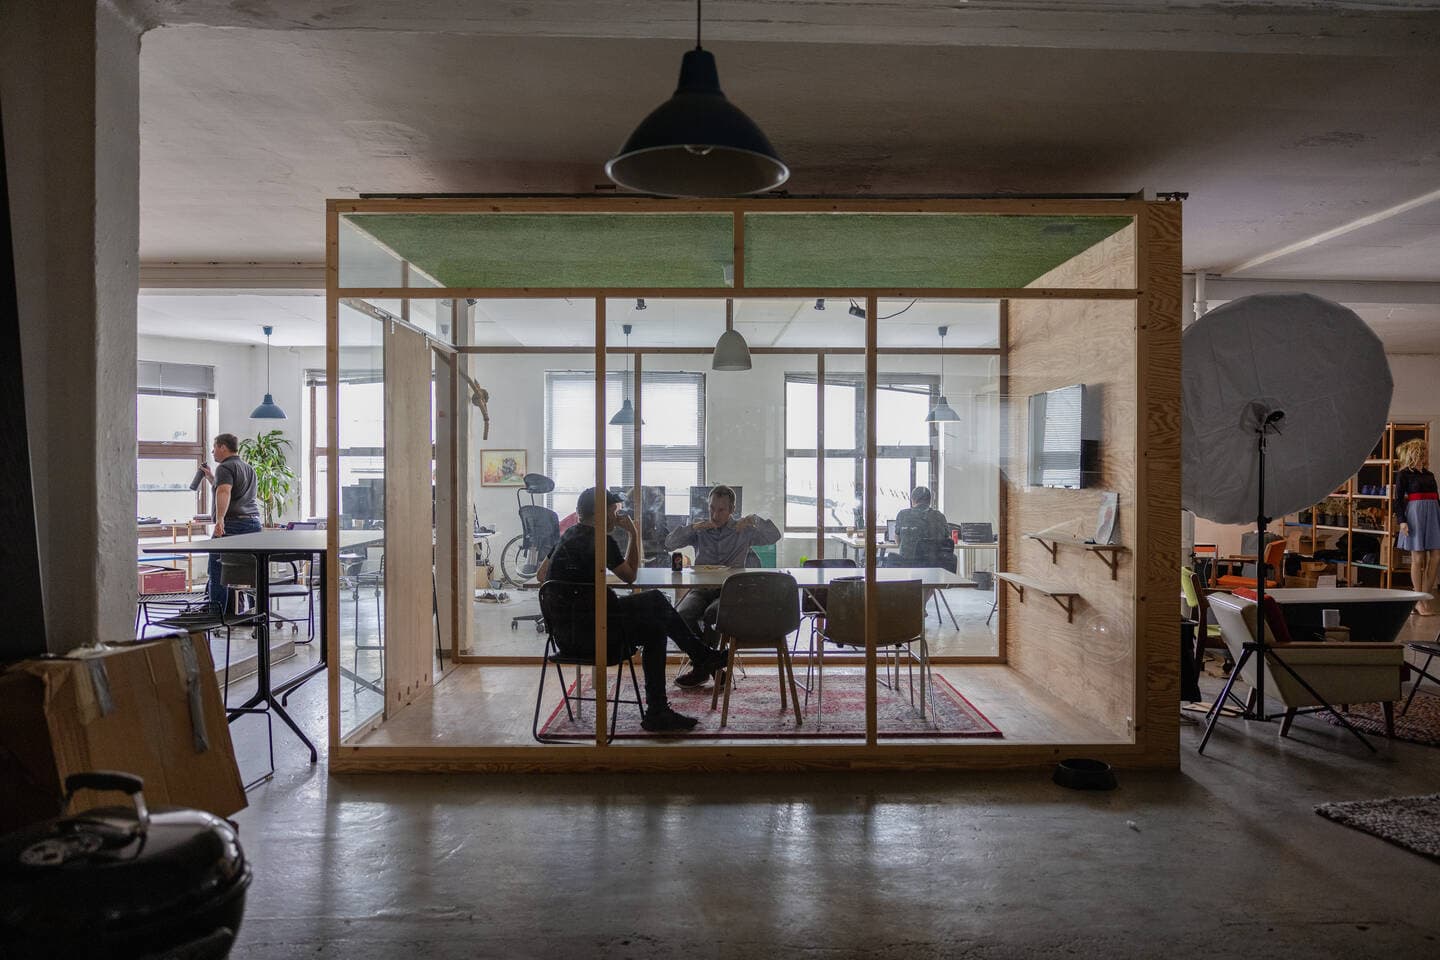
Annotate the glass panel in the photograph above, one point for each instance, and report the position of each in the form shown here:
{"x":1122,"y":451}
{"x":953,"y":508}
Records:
{"x":916,"y":323}
{"x":538,"y":250}
{"x":923,"y":250}
{"x":163,"y":489}
{"x":361,"y":578}
{"x":167,"y":419}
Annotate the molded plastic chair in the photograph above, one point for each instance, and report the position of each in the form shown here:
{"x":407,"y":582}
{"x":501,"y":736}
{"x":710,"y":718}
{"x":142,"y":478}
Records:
{"x":568,"y":611}
{"x":758,"y":610}
{"x":1207,"y":631}
{"x":1274,"y":565}
{"x":901,"y":623}
{"x":812,"y":607}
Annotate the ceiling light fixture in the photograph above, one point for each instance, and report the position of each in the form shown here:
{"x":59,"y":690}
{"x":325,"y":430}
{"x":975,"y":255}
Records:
{"x":942,"y":412}
{"x":856,"y":310}
{"x":819,"y":303}
{"x":697,"y":143}
{"x":639,"y":303}
{"x":731,"y":350}
{"x":268,"y":409}
{"x":625,"y":416}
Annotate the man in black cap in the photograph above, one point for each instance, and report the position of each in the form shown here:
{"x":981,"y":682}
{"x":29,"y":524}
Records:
{"x":649,"y":617}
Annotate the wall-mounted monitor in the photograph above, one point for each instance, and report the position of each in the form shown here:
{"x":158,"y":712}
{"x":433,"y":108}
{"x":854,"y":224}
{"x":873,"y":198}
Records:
{"x":1064,"y":438}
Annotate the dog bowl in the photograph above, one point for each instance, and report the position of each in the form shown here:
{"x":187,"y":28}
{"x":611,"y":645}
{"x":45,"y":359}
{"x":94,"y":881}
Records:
{"x":1079,"y":773}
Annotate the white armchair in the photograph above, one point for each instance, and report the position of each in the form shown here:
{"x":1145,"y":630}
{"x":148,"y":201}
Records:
{"x":1340,"y":672}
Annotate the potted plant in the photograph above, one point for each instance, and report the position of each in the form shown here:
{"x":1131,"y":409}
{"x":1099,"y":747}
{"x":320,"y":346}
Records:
{"x":274,"y":479}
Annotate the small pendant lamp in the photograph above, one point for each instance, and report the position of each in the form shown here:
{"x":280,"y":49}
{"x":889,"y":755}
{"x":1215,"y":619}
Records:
{"x":697,"y":143}
{"x":942,"y":412}
{"x":731,"y":350}
{"x":268,"y":409}
{"x":625,"y":416}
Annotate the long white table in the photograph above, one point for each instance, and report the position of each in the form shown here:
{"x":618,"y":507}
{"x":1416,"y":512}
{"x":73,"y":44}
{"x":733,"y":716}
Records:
{"x":262,"y":546}
{"x":658,"y":578}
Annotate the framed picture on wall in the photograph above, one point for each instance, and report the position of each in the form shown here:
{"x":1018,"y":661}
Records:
{"x":502,"y":468}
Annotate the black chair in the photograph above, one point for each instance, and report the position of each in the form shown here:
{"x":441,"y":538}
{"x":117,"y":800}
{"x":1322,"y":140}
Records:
{"x":568,"y":612}
{"x":936,"y":553}
{"x":294,"y":584}
{"x":539,"y":533}
{"x":813,"y":601}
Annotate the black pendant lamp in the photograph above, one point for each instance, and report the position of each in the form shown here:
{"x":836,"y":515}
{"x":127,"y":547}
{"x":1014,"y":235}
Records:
{"x":268,"y":409}
{"x":942,"y":412}
{"x":625,"y":416}
{"x":697,"y":143}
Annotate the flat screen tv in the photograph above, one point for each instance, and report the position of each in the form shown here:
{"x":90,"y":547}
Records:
{"x":1064,"y":438}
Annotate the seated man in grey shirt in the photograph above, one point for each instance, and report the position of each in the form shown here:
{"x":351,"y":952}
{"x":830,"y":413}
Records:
{"x":719,"y":541}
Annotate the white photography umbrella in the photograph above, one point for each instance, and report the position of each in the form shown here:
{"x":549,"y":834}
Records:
{"x":1284,"y":397}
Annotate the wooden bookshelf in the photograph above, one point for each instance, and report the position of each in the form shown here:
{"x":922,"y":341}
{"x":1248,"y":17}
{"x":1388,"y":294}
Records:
{"x":1351,"y":511}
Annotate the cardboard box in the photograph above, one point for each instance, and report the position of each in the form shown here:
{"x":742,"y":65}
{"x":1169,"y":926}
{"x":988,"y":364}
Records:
{"x":1300,"y":581}
{"x":161,"y":580}
{"x":151,"y":709}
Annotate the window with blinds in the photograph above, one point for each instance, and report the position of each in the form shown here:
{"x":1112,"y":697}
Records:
{"x":175,"y":413}
{"x":907,"y":447}
{"x":673,"y":434}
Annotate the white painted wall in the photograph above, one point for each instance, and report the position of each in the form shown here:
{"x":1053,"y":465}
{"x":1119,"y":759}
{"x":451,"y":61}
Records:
{"x":1416,"y":400}
{"x":240,"y":386}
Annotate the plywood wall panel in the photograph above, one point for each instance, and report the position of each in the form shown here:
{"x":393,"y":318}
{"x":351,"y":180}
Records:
{"x":1091,"y":662}
{"x":409,"y":644}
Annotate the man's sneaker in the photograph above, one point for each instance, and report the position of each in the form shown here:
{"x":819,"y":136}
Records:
{"x":662,"y":719}
{"x":694,"y":677}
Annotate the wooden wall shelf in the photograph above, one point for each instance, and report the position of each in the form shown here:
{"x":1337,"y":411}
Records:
{"x":1064,"y":596}
{"x":1109,"y":553}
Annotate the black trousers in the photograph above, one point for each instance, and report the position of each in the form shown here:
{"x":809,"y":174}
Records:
{"x":650,"y":622}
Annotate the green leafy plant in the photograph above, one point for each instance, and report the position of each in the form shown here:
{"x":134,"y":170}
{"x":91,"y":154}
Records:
{"x":274,"y":480}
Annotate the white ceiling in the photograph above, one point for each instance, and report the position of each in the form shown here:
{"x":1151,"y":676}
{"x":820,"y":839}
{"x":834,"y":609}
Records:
{"x":1307,"y":134}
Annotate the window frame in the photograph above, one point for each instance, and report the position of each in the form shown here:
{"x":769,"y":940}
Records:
{"x":912,"y":452}
{"x":649,"y":453}
{"x":196,"y":452}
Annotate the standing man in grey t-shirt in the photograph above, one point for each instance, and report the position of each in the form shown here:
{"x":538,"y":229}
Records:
{"x":236,"y":511}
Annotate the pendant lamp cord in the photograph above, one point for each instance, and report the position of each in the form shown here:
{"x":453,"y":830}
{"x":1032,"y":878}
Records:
{"x":697,"y":24}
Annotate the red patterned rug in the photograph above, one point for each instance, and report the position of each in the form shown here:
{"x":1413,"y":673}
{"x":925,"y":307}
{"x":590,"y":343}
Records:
{"x":1419,"y":724}
{"x":755,"y":712}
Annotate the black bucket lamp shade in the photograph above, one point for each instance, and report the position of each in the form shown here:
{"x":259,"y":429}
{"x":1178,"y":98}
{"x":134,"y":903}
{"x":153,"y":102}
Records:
{"x":625,"y":416}
{"x":268,"y":409}
{"x":942,"y":412}
{"x":697,"y":143}
{"x":731,"y":350}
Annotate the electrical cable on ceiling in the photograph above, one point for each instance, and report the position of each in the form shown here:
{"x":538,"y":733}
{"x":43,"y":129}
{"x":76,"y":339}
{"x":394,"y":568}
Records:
{"x":858,"y":311}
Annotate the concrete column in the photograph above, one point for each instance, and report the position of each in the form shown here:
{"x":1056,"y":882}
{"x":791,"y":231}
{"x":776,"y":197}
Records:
{"x":69,"y":96}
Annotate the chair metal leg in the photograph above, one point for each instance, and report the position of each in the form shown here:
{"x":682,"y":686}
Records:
{"x":636,"y":685}
{"x":1415,"y":687}
{"x":945,"y":600}
{"x":539,"y":698}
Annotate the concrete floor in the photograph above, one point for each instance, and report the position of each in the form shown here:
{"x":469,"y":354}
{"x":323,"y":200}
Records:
{"x":1224,"y":858}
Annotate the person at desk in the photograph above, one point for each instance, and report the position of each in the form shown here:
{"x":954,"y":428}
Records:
{"x":720,"y":541}
{"x":236,"y":511}
{"x":1416,"y":506}
{"x":650,"y":618}
{"x":922,"y":535}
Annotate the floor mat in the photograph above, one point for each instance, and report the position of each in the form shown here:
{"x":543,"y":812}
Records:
{"x":755,"y":712}
{"x":1409,"y":822}
{"x":1420,"y":724}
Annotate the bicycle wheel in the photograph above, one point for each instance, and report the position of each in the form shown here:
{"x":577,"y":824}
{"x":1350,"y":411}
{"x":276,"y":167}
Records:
{"x":517,"y":564}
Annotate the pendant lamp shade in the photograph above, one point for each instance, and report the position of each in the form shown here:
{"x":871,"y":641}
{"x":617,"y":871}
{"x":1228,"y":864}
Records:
{"x":942,"y":412}
{"x":268,"y":409}
{"x":698,"y":143}
{"x":625,"y":416}
{"x":731,"y":352}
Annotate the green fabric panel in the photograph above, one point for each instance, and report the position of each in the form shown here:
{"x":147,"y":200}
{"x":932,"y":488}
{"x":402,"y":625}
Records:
{"x":560,"y":250}
{"x":913,"y":250}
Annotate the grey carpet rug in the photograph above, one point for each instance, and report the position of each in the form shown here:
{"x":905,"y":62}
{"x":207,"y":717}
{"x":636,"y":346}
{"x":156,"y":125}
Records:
{"x":1409,"y":822}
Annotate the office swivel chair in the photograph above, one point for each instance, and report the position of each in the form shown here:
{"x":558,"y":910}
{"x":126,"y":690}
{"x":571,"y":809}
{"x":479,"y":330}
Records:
{"x":539,"y":533}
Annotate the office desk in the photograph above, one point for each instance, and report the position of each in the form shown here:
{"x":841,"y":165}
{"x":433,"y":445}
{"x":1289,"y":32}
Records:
{"x":1373,"y":614}
{"x":853,"y":546}
{"x":262,"y":546}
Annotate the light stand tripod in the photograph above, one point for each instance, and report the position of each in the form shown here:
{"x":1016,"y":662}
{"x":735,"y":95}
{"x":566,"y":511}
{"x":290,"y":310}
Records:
{"x":1267,"y":421}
